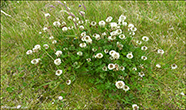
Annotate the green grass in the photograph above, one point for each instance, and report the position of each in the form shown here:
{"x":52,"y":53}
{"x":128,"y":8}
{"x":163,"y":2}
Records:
{"x":21,"y":84}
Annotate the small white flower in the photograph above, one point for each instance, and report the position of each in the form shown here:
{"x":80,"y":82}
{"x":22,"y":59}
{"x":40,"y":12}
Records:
{"x":88,"y":59}
{"x":129,"y":55}
{"x":80,"y":53}
{"x":56,"y":23}
{"x":18,"y":107}
{"x":122,"y":36}
{"x":122,"y":17}
{"x":109,"y":19}
{"x":126,"y":88}
{"x":106,"y":51}
{"x":141,"y":74}
{"x":160,"y":51}
{"x":87,"y":39}
{"x":112,"y":52}
{"x":144,"y":48}
{"x":51,"y":37}
{"x":64,"y":29}
{"x":135,"y":107}
{"x":113,"y":25}
{"x":40,"y":32}
{"x":143,"y":57}
{"x":182,"y":93}
{"x":174,"y":66}
{"x":138,"y":42}
{"x":134,"y":68}
{"x":104,"y":68}
{"x":133,"y":29}
{"x":120,"y":84}
{"x":35,"y":61}
{"x":158,"y":65}
{"x":145,"y":38}
{"x":47,"y":15}
{"x":99,"y":55}
{"x":60,"y":98}
{"x":57,"y":61}
{"x":69,"y":18}
{"x":93,"y":23}
{"x":59,"y":72}
{"x":29,"y":52}
{"x":38,"y":47}
{"x":68,"y":82}
{"x":58,"y":53}
{"x":81,"y":22}
{"x":35,"y":50}
{"x":111,"y":66}
{"x":83,"y":34}
{"x":94,"y":50}
{"x":46,"y":46}
{"x":122,"y":68}
{"x":116,"y":55}
{"x":63,"y":23}
{"x":75,"y":19}
{"x":82,"y":45}
{"x":119,"y":31}
{"x":124,"y":23}
{"x":130,"y":25}
{"x":54,"y":41}
{"x":102,"y":23}
{"x":81,"y":27}
{"x":104,"y":34}
{"x":44,"y":29}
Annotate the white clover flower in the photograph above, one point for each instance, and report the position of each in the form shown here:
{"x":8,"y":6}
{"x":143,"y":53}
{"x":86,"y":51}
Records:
{"x":109,"y":19}
{"x":63,"y":23}
{"x":88,"y":59}
{"x":120,"y":84}
{"x":87,"y":39}
{"x":81,"y":27}
{"x":59,"y":72}
{"x":144,"y":48}
{"x":87,"y":21}
{"x":60,"y":98}
{"x":141,"y":74}
{"x":145,"y":38}
{"x":104,"y":68}
{"x":38,"y":47}
{"x":102,"y":23}
{"x":113,"y":25}
{"x":104,"y":34}
{"x":124,"y":23}
{"x":113,"y":33}
{"x":44,"y":29}
{"x":51,"y":37}
{"x":111,"y":66}
{"x":94,"y":50}
{"x":93,"y":23}
{"x":35,"y":61}
{"x":138,"y":42}
{"x":122,"y":17}
{"x":82,"y":45}
{"x":182,"y":93}
{"x":143,"y":57}
{"x":18,"y":107}
{"x":106,"y":51}
{"x":119,"y":31}
{"x":68,"y":82}
{"x":83,"y":34}
{"x":56,"y":23}
{"x":81,"y":22}
{"x":122,"y":36}
{"x":57,"y":61}
{"x":69,"y":18}
{"x":29,"y":52}
{"x":47,"y":15}
{"x":116,"y":55}
{"x":80,"y":53}
{"x":81,"y":12}
{"x":35,"y":50}
{"x":75,"y":19}
{"x":158,"y":65}
{"x":122,"y":68}
{"x":174,"y":66}
{"x":134,"y":68}
{"x":130,"y":26}
{"x":54,"y":41}
{"x":112,"y":52}
{"x":64,"y":29}
{"x":126,"y":88}
{"x":129,"y":55}
{"x":160,"y":51}
{"x":135,"y":107}
{"x":40,"y":32}
{"x":65,"y":48}
{"x":99,"y":55}
{"x":133,"y":29}
{"x":46,"y":46}
{"x":97,"y":36}
{"x":58,"y":53}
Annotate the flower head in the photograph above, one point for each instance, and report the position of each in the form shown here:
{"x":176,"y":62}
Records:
{"x":79,"y":53}
{"x":46,"y":46}
{"x":99,"y":55}
{"x":54,"y":41}
{"x":126,"y":88}
{"x":56,"y":23}
{"x":135,"y":107}
{"x":160,"y":51}
{"x":58,"y":53}
{"x":60,"y":98}
{"x":64,"y":29}
{"x":111,"y":66}
{"x":122,"y":68}
{"x":122,"y":36}
{"x":35,"y":61}
{"x":93,"y":23}
{"x":120,"y":84}
{"x":106,"y":51}
{"x":88,"y":59}
{"x":144,"y":48}
{"x":174,"y":66}
{"x":104,"y":68}
{"x":113,"y":25}
{"x":57,"y":61}
{"x":82,"y":45}
{"x":145,"y":38}
{"x":102,"y":23}
{"x":29,"y":52}
{"x":109,"y":19}
{"x":143,"y":57}
{"x":129,"y":55}
{"x":47,"y":15}
{"x":68,"y":82}
{"x":141,"y":74}
{"x":158,"y":65}
{"x":59,"y":72}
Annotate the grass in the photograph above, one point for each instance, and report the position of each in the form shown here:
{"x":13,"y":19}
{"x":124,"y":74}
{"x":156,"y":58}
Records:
{"x":162,"y":22}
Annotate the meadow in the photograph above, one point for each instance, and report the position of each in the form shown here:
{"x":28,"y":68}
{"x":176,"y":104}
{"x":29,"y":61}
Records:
{"x":163,"y":22}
